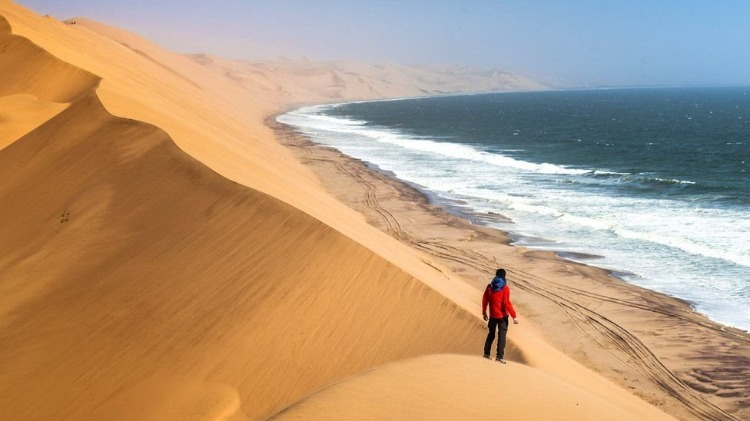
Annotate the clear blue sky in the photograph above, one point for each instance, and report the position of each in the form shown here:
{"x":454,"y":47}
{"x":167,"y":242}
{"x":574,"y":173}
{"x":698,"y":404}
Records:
{"x":569,"y":43}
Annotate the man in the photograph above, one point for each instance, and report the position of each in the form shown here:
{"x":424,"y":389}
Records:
{"x":497,"y":296}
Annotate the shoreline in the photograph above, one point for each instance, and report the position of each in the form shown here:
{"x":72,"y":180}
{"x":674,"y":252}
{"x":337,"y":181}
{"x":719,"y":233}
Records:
{"x":643,"y":340}
{"x":514,"y":239}
{"x":442,"y":205}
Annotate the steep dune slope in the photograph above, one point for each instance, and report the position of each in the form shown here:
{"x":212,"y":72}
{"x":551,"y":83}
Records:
{"x":129,"y":266}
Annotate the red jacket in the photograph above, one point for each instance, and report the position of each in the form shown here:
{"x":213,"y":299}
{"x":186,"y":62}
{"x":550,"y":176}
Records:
{"x":499,"y":302}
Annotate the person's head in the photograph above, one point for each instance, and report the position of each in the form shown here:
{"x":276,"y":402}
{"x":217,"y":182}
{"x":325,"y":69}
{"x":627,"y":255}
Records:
{"x":500,"y":273}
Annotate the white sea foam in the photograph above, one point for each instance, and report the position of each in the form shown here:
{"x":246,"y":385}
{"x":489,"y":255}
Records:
{"x":308,"y":118}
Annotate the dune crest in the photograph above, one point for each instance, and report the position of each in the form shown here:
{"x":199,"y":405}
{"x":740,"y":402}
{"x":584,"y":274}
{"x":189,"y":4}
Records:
{"x":34,"y":85}
{"x":28,"y":69}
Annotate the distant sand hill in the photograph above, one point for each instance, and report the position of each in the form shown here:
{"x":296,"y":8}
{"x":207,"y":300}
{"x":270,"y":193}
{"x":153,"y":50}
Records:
{"x":163,"y":258}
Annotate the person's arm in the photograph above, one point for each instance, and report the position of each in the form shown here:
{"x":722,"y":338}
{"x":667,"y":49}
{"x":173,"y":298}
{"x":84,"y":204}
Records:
{"x":509,"y":306}
{"x":484,"y":305}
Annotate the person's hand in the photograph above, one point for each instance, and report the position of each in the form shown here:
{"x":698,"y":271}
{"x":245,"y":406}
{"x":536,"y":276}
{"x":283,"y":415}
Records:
{"x":485,"y":317}
{"x":515,"y":321}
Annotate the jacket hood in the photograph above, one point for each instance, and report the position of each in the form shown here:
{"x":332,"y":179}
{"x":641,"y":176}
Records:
{"x":497,"y":283}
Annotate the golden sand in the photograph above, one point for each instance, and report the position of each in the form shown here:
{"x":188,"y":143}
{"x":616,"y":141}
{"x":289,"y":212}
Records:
{"x":164,"y":256}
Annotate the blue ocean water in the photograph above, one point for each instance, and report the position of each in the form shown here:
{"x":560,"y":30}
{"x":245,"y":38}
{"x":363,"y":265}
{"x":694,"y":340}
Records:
{"x":655,"y":181}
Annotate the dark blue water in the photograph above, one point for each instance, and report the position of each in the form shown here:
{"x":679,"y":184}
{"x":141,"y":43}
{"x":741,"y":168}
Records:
{"x":655,"y":180}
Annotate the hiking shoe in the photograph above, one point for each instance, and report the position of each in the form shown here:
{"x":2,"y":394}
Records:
{"x":487,"y":356}
{"x":500,"y":360}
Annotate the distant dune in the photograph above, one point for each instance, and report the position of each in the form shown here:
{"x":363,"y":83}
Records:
{"x":163,"y":257}
{"x":305,"y":80}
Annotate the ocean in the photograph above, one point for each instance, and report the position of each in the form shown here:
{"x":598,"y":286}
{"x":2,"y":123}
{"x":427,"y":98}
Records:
{"x":652,"y":184}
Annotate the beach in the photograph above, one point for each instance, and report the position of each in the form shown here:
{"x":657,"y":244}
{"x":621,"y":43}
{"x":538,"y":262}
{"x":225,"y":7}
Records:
{"x":169,"y":251}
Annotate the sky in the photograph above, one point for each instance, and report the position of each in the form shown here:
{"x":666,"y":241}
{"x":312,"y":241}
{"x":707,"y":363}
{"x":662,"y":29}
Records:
{"x":572,"y":43}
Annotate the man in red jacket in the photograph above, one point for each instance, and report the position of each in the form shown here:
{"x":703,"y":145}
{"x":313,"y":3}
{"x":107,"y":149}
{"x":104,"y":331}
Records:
{"x":497,"y":296}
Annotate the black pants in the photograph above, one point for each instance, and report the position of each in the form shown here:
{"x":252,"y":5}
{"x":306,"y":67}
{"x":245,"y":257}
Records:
{"x":502,"y":328}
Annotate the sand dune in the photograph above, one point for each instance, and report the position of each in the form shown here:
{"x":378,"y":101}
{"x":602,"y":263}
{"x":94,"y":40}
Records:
{"x":163,"y":257}
{"x":100,"y":294}
{"x":299,"y":80}
{"x":460,"y":387}
{"x":130,"y":266}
